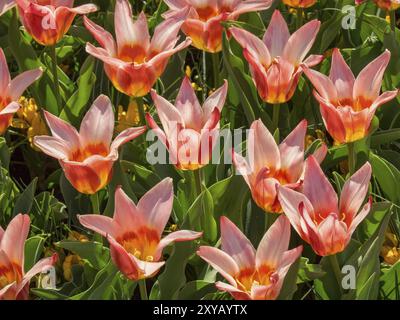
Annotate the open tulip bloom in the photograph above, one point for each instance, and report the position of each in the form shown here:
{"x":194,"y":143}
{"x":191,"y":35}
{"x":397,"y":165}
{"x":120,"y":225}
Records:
{"x":252,"y":275}
{"x":316,"y":214}
{"x":133,"y":63}
{"x":87,"y":157}
{"x":347,"y":104}
{"x":48,"y":21}
{"x":299,"y":3}
{"x":135,"y":231}
{"x":14,"y":282}
{"x":276,"y":61}
{"x":269,"y":165}
{"x":202,"y":19}
{"x":190,"y":131}
{"x":11,"y":91}
{"x":384,"y":4}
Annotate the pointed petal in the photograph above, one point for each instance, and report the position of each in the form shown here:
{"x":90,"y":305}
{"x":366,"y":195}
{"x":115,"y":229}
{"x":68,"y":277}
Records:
{"x":4,"y":72}
{"x":6,"y":5}
{"x":341,"y":76}
{"x":126,"y":136}
{"x":126,"y":213}
{"x":102,"y":225}
{"x":235,"y":244}
{"x":103,"y":37}
{"x":84,"y":9}
{"x":63,"y":130}
{"x":20,"y":83}
{"x":215,"y":100}
{"x":165,"y":35}
{"x":251,"y":6}
{"x":382,"y":99}
{"x":149,"y":269}
{"x":52,"y":146}
{"x":360,"y":216}
{"x":12,"y":108}
{"x":277,"y":35}
{"x":241,"y":166}
{"x":178,"y":236}
{"x":322,"y":84}
{"x":40,"y":267}
{"x":236,"y":293}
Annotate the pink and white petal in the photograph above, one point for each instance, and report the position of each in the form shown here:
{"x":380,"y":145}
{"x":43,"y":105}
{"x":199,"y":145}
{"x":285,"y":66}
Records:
{"x":126,"y":214}
{"x":63,"y":130}
{"x":250,"y":6}
{"x":124,"y":137}
{"x":212,"y":122}
{"x":290,"y":256}
{"x":149,"y":269}
{"x":321,"y":153}
{"x":274,"y":243}
{"x":300,"y":42}
{"x":368,"y":83}
{"x":4,"y":72}
{"x":102,"y":36}
{"x":155,"y":206}
{"x":12,"y":108}
{"x":242,"y":166}
{"x":234,"y":291}
{"x":157,"y":130}
{"x":360,"y":216}
{"x":382,"y":99}
{"x":6,"y":5}
{"x":165,"y":35}
{"x":83,"y":9}
{"x":313,"y":60}
{"x":215,"y":100}
{"x":103,"y":55}
{"x":40,"y":267}
{"x":176,"y":4}
{"x":1,"y":234}
{"x":52,"y":146}
{"x":252,"y":44}
{"x":177,"y":236}
{"x":341,"y":76}
{"x":333,"y":235}
{"x":100,"y":224}
{"x":220,"y":261}
{"x":97,"y":126}
{"x":292,"y":152}
{"x":317,"y":188}
{"x":9,"y":292}
{"x":262,"y":148}
{"x":14,"y":237}
{"x":235,"y":244}
{"x":19,"y":84}
{"x":127,"y":32}
{"x":325,"y":87}
{"x":277,"y":35}
{"x":188,"y":105}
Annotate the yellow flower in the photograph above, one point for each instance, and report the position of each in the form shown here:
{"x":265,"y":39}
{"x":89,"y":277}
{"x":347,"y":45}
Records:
{"x":69,"y":261}
{"x":390,"y":251}
{"x":129,"y":118}
{"x":188,"y":71}
{"x":73,"y":235}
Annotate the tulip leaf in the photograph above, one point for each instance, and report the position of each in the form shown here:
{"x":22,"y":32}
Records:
{"x":196,"y":290}
{"x":390,"y":283}
{"x":33,"y":250}
{"x":25,"y":199}
{"x":4,"y":154}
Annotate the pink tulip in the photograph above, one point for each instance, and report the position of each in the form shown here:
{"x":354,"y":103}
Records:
{"x":133,"y":62}
{"x":276,"y":60}
{"x":384,"y":4}
{"x":6,"y":5}
{"x":14,"y":282}
{"x":135,"y":231}
{"x":347,"y":104}
{"x":190,"y":131}
{"x":202,"y":19}
{"x":47,"y":21}
{"x":87,"y":156}
{"x":270,"y":165}
{"x":11,"y":91}
{"x":316,"y":214}
{"x":252,"y":275}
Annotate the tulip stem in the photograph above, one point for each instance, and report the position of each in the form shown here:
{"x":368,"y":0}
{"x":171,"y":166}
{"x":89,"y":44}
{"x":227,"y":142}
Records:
{"x":198,"y":178}
{"x":299,"y":19}
{"x":94,"y":199}
{"x":336,"y":269}
{"x":352,"y":157}
{"x":55,"y":77}
{"x":275,"y":116}
{"x":143,"y":290}
{"x":392,"y":15}
{"x":215,"y":63}
{"x":142,"y":114}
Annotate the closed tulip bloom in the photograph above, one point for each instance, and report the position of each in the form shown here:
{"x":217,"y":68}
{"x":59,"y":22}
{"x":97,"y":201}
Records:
{"x":202,"y":19}
{"x":276,"y":60}
{"x":269,"y":165}
{"x":299,"y":3}
{"x":11,"y":91}
{"x":47,"y":21}
{"x":133,"y":62}
{"x":190,"y":131}
{"x":347,"y":104}
{"x":14,"y":281}
{"x":87,"y":157}
{"x":384,"y":4}
{"x":6,"y":5}
{"x":135,"y":231}
{"x":251,"y":274}
{"x":316,"y":214}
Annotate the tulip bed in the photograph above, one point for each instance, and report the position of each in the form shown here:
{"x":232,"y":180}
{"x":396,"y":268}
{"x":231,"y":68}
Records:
{"x":213,"y":149}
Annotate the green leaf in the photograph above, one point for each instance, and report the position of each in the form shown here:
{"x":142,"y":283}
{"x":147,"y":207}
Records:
{"x":196,"y":290}
{"x":390,"y":283}
{"x":25,"y":200}
{"x":33,"y":250}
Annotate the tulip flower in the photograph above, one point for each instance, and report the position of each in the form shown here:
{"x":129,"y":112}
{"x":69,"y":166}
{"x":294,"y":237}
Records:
{"x":11,"y":91}
{"x":134,"y":63}
{"x":202,"y":19}
{"x":276,"y":61}
{"x":48,"y":21}
{"x":87,"y":156}
{"x":270,"y":165}
{"x":190,"y":131}
{"x":6,"y":5}
{"x":316,"y":214}
{"x":384,"y":4}
{"x":14,"y":282}
{"x":299,"y":3}
{"x":135,"y":231}
{"x":252,"y":275}
{"x":347,"y":104}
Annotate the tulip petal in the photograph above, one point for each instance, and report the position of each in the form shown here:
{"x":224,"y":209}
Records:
{"x":354,"y":192}
{"x":157,"y":130}
{"x":235,"y":244}
{"x":277,"y":35}
{"x":215,"y":100}
{"x":82,"y":177}
{"x":4,"y":72}
{"x":242,"y":167}
{"x":19,"y":84}
{"x":360,"y":216}
{"x":100,"y":224}
{"x":382,"y":99}
{"x":63,"y":130}
{"x":103,"y":37}
{"x":341,"y":76}
{"x":313,"y":60}
{"x":234,"y":291}
{"x":149,"y":269}
{"x":292,"y":152}
{"x":6,"y":5}
{"x":12,"y":108}
{"x":220,"y":261}
{"x":124,"y":137}
{"x":97,"y":126}
{"x":165,"y":35}
{"x":14,"y":237}
{"x":274,"y":243}
{"x":52,"y":146}
{"x":1,"y":234}
{"x":368,"y":83}
{"x":251,"y":6}
{"x":40,"y":267}
{"x":333,"y":235}
{"x":325,"y":87}
{"x":178,"y":236}
{"x":84,"y":9}
{"x":300,"y":42}
{"x":126,"y":213}
{"x":156,"y":205}
{"x":176,"y":4}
